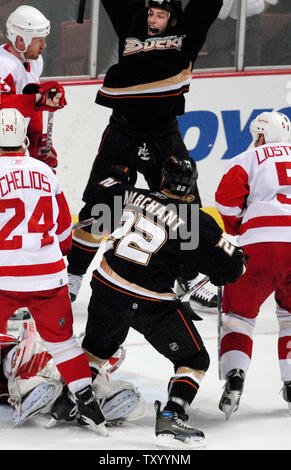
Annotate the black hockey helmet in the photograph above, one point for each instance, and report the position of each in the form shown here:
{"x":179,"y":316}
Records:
{"x":179,"y":175}
{"x":172,"y":6}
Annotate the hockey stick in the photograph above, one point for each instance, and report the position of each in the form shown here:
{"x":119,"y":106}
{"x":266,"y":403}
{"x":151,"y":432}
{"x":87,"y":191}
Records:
{"x":186,"y":297}
{"x":106,"y":235}
{"x":49,"y":132}
{"x":219,"y":327}
{"x":50,"y":122}
{"x":83,"y":223}
{"x":81,"y":11}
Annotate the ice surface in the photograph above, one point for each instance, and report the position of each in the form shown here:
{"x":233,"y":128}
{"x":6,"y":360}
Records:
{"x":262,"y":422}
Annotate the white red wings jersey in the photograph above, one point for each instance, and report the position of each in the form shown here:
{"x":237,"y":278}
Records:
{"x":254,"y":195}
{"x":35,"y":226}
{"x":13,"y":78}
{"x":14,"y":74}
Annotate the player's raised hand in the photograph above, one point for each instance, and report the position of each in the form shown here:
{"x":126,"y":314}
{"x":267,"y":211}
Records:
{"x":50,"y":95}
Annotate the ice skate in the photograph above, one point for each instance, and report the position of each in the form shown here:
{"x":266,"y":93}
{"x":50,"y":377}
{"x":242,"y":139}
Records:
{"x":122,"y":405}
{"x":89,"y":414}
{"x":287,"y":393}
{"x":233,"y":389}
{"x":19,"y":316}
{"x":64,"y":409}
{"x":203,"y":300}
{"x":74,"y":285}
{"x":172,"y":432}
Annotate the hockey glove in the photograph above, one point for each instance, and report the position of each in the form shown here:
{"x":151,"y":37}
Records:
{"x":231,"y":271}
{"x":47,"y":156}
{"x":51,"y":95}
{"x":123,"y":173}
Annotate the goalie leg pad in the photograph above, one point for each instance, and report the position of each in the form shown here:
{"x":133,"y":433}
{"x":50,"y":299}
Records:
{"x":36,"y":401}
{"x":124,"y":406}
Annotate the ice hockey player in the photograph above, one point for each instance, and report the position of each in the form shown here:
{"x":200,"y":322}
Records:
{"x":21,"y":66}
{"x":158,"y":44}
{"x":35,"y":236}
{"x":132,"y":287}
{"x":254,"y":200}
{"x":31,"y":383}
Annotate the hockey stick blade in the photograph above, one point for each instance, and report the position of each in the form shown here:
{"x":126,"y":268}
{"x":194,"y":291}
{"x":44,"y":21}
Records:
{"x":185,"y":299}
{"x":186,"y":307}
{"x":83,"y":223}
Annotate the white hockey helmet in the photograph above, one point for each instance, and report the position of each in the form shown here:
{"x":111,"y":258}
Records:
{"x":27,"y":22}
{"x":13,"y":128}
{"x":273,"y":125}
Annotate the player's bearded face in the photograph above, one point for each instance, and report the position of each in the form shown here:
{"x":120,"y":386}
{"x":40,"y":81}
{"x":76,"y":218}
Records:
{"x":157,"y":21}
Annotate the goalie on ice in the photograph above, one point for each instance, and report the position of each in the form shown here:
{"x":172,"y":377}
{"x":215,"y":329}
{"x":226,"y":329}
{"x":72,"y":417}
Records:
{"x":31,"y":383}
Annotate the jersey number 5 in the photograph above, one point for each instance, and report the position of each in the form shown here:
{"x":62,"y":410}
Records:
{"x":284,"y":176}
{"x":41,"y":221}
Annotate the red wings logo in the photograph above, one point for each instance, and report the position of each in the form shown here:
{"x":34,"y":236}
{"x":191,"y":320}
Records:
{"x":4,"y":87}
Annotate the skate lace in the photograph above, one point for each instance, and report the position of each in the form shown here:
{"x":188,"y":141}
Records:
{"x":73,"y":411}
{"x":204,"y":294}
{"x":179,"y":422}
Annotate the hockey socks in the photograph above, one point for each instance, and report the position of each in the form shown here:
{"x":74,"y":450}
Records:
{"x":182,"y":390}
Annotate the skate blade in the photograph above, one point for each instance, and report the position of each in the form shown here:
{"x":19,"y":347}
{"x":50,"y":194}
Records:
{"x":173,"y":442}
{"x":197,"y":307}
{"x":91,"y":426}
{"x":57,"y":422}
{"x":230,"y":408}
{"x":52,"y":423}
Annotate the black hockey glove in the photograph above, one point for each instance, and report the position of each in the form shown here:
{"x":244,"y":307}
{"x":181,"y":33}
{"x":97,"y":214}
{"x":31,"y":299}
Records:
{"x":232,"y":270}
{"x":123,"y":173}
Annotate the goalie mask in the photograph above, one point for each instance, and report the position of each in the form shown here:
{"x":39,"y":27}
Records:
{"x":274,"y":126}
{"x":28,"y":23}
{"x":13,"y":128}
{"x":179,"y":176}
